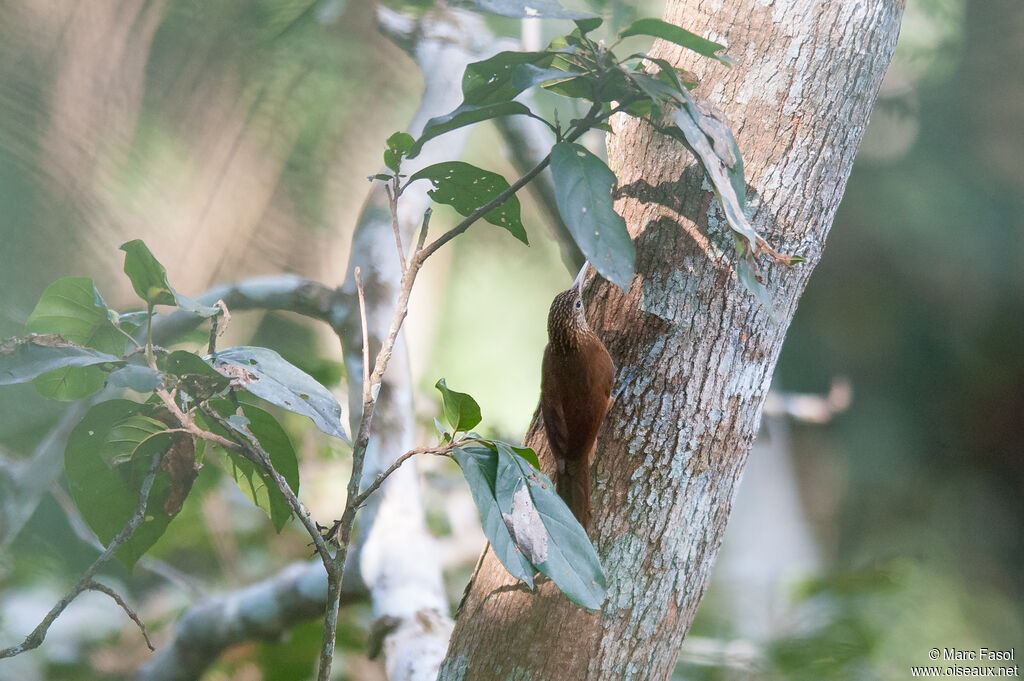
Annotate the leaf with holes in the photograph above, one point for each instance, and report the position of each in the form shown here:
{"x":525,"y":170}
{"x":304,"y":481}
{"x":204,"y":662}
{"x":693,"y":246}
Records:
{"x":583,"y":192}
{"x":505,"y":75}
{"x":266,"y":374}
{"x":465,"y":188}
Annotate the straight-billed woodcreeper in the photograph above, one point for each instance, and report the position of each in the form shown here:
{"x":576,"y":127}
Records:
{"x":575,"y":389}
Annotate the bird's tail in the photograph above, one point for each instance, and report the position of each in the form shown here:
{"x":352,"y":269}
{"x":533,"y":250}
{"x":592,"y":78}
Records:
{"x":573,"y":485}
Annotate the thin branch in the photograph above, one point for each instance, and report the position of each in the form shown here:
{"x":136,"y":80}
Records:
{"x":393,"y":191}
{"x":154,"y":565}
{"x":362,"y":320}
{"x":35,"y":639}
{"x":361,"y":498}
{"x":341,"y":531}
{"x":96,"y":586}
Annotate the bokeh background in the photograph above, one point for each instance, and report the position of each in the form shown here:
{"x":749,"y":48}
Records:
{"x":235,"y":138}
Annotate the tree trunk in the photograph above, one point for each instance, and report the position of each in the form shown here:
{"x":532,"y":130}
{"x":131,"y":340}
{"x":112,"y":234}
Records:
{"x":694,"y":351}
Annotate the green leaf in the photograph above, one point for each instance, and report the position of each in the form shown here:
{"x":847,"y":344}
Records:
{"x":106,"y":459}
{"x":124,"y":437}
{"x":392,"y":159}
{"x":73,"y":308}
{"x":479,"y":466}
{"x":527,"y":9}
{"x":583,"y":186}
{"x":400,"y":142}
{"x":194,"y":306}
{"x":23,"y":359}
{"x":136,"y":377}
{"x":460,"y":410}
{"x":680,"y":36}
{"x":194,"y":375}
{"x":505,"y":75}
{"x":585,"y":26}
{"x":576,"y":87}
{"x":674,"y":77}
{"x":252,"y":480}
{"x":544,"y":527}
{"x":148,"y":276}
{"x":149,"y":279}
{"x":462,"y":116}
{"x":267,"y":375}
{"x":100,"y":492}
{"x":465,"y":188}
{"x":526,"y":453}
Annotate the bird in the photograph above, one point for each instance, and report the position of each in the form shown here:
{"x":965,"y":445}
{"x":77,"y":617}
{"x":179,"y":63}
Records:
{"x":576,"y":383}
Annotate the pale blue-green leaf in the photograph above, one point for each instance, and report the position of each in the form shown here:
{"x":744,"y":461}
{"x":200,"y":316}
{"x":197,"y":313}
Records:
{"x":279,"y":382}
{"x":479,"y":465}
{"x":572,"y":563}
{"x":23,"y":359}
{"x":136,"y":377}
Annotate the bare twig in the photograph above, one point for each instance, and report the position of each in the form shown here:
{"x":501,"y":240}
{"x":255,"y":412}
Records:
{"x":342,"y":528}
{"x":35,"y":639}
{"x":393,"y":191}
{"x":362,"y":320}
{"x":154,"y":565}
{"x":395,"y":465}
{"x":96,"y":586}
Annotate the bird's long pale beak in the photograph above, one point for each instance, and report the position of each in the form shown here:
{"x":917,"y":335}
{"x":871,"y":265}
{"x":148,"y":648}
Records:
{"x":578,"y":283}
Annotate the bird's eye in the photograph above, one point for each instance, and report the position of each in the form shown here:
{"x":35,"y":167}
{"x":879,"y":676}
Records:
{"x":579,"y":304}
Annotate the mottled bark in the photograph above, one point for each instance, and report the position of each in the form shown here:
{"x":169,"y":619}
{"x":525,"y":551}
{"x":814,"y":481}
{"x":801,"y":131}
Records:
{"x":694,"y":350}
